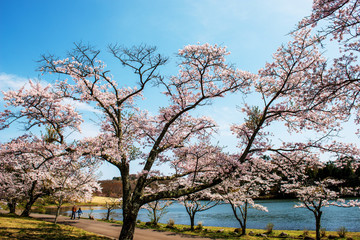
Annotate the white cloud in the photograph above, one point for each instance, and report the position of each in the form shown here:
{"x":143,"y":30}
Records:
{"x":88,"y":129}
{"x":81,"y":106}
{"x":15,"y":82}
{"x":11,"y":81}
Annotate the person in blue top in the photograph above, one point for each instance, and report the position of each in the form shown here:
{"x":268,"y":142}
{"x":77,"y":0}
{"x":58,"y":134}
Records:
{"x":79,"y":212}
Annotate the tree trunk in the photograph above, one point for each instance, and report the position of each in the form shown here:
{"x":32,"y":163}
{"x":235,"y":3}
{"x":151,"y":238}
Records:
{"x":108,"y":214}
{"x":12,"y":206}
{"x":58,"y":210}
{"x":29,"y":204}
{"x":318,"y":224}
{"x":128,"y":227}
{"x":155,"y":220}
{"x":57,"y":214}
{"x":242,"y":221}
{"x":32,"y":198}
{"x":27,"y":210}
{"x":192,"y":222}
{"x":243,"y":228}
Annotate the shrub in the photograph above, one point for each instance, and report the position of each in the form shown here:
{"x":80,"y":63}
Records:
{"x":41,"y":209}
{"x":199,"y":226}
{"x":283,"y":235}
{"x":4,"y":206}
{"x":171,"y":222}
{"x":269,"y":228}
{"x":90,"y":214}
{"x":323,"y":232}
{"x":342,"y":232}
{"x":237,"y":230}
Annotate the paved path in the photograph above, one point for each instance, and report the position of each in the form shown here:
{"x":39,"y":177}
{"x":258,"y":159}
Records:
{"x":112,"y":230}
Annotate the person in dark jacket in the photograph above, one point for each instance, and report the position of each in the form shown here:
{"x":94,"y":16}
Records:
{"x":73,"y":212}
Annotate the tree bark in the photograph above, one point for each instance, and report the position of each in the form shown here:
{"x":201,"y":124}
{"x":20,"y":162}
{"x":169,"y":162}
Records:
{"x":57,"y":214}
{"x":155,"y":219}
{"x":129,"y":223}
{"x":12,"y":206}
{"x":244,"y":218}
{"x":58,"y":209}
{"x":192,"y":222}
{"x":242,"y":221}
{"x":27,"y":210}
{"x":318,"y":224}
{"x":108,"y":215}
{"x":32,"y":199}
{"x":243,"y":229}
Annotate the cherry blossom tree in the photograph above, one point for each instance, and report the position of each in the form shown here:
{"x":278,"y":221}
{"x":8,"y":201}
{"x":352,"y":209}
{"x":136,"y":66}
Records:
{"x":314,"y":195}
{"x":31,"y":159}
{"x":304,"y":92}
{"x":198,"y":202}
{"x":204,"y":75}
{"x":312,"y":192}
{"x":286,"y":88}
{"x":340,"y":18}
{"x":77,"y":182}
{"x":338,"y":21}
{"x":23,"y":178}
{"x":28,"y":175}
{"x":111,"y":204}
{"x":290,"y":89}
{"x":157,"y":209}
{"x":9,"y":186}
{"x":31,"y":171}
{"x":204,"y":156}
{"x":254,"y":177}
{"x":329,"y":84}
{"x":317,"y":196}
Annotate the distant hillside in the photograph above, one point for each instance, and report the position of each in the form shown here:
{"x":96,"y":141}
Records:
{"x":112,"y":188}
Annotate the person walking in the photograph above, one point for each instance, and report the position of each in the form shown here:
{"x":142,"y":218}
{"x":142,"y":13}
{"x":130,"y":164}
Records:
{"x":73,"y":212}
{"x":79,"y":212}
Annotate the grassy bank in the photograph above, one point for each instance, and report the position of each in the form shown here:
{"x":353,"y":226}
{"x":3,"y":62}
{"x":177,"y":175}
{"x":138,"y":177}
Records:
{"x":252,"y":234}
{"x":230,"y":233}
{"x":15,"y":227}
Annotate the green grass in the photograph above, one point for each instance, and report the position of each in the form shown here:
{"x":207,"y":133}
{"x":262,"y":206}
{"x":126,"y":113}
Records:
{"x":228,"y":233}
{"x":15,"y":227}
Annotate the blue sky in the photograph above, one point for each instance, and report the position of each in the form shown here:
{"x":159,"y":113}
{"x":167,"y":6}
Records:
{"x":252,"y":31}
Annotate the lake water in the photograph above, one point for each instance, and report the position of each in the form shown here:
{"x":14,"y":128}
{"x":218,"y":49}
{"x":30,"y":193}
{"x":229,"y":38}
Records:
{"x":281,"y":213}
